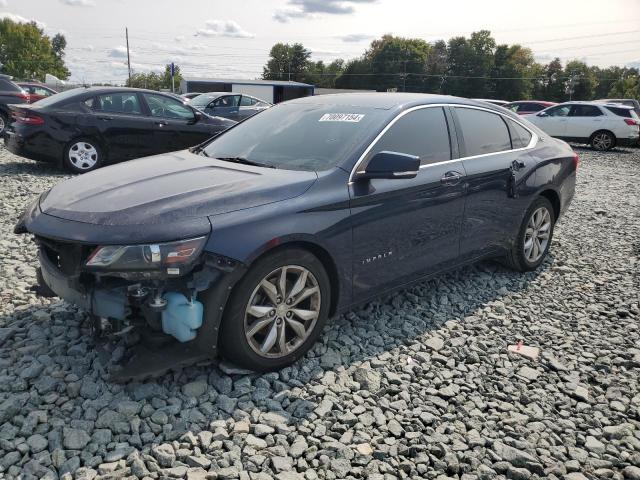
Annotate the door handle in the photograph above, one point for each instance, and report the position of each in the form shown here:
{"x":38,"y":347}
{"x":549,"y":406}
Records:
{"x":451,"y":178}
{"x":161,"y":124}
{"x":517,"y":165}
{"x":105,"y":118}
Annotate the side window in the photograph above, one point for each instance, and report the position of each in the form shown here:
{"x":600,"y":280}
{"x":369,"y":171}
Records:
{"x":167,"y":107}
{"x":423,"y":133}
{"x":560,"y":111}
{"x":535,"y":107}
{"x":224,"y":102}
{"x":483,"y":132}
{"x":41,"y":91}
{"x":89,"y":102}
{"x":125,"y":102}
{"x":520,"y":136}
{"x":247,"y":101}
{"x":585,"y":111}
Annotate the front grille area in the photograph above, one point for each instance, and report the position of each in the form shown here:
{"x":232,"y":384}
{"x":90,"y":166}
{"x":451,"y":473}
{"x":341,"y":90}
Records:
{"x":67,"y":257}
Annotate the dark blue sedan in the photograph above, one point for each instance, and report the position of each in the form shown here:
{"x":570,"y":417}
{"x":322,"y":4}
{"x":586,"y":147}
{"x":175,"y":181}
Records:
{"x":248,"y":244}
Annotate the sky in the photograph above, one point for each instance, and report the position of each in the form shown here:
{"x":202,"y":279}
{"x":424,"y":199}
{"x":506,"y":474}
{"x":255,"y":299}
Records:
{"x":232,"y":38}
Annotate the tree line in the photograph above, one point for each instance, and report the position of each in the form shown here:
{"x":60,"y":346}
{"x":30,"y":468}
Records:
{"x":26,"y":52}
{"x":475,"y":67}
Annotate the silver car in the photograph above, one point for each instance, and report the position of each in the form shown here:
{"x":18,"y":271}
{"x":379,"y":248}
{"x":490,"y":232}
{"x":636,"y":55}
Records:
{"x":235,"y":106}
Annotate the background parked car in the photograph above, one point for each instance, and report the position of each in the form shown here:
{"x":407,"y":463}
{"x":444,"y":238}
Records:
{"x":86,"y":128}
{"x":528,"y":107}
{"x":630,"y":102}
{"x":9,"y":93}
{"x":36,"y":91}
{"x":603,"y":126}
{"x":191,"y":95}
{"x":235,"y":106}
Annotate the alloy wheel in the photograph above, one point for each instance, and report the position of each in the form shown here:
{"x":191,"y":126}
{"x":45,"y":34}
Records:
{"x":83,"y":155}
{"x":536,"y":237}
{"x":2,"y":124}
{"x":602,"y":141}
{"x":282,"y":311}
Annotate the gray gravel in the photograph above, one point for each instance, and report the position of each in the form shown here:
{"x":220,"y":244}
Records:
{"x":416,"y":385}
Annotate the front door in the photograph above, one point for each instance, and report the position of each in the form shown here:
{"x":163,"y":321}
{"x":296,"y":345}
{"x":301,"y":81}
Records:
{"x":175,"y":125}
{"x":584,"y":120}
{"x":553,"y":121}
{"x":406,"y":228}
{"x":226,"y":106}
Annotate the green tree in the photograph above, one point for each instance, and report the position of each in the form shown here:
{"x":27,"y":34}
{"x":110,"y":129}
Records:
{"x":512,"y":70}
{"x":436,"y":67}
{"x":580,"y":80}
{"x":26,"y":52}
{"x":628,"y":87}
{"x":155,"y":80}
{"x":287,"y":62}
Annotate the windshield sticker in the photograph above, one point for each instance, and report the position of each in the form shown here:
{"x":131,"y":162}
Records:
{"x":341,"y":117}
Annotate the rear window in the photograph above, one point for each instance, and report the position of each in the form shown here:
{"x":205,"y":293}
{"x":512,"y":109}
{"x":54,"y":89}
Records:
{"x":62,"y":97}
{"x":621,"y":112}
{"x":520,"y":136}
{"x":8,"y":86}
{"x":483,"y":132}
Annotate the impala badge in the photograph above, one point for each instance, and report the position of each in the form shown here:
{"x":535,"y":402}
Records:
{"x":375,"y":258}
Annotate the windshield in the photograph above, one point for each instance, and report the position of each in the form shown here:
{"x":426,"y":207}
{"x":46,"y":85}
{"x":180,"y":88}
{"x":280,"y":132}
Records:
{"x":298,"y":136}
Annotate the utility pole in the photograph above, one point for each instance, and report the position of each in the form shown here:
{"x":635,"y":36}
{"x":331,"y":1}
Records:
{"x":126,"y":31}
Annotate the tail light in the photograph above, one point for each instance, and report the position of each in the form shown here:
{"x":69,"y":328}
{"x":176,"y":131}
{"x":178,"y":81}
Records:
{"x":576,"y":161}
{"x":28,"y":118}
{"x":630,"y":121}
{"x":23,"y":95}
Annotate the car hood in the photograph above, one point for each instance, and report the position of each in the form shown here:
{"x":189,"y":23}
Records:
{"x":171,"y":187}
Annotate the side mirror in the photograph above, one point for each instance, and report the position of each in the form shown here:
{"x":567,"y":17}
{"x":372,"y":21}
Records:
{"x":197,"y":116}
{"x":391,"y":165}
{"x":543,"y":114}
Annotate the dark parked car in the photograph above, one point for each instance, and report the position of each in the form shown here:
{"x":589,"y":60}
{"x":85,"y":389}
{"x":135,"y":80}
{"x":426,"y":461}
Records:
{"x":86,"y":128}
{"x":229,"y":105}
{"x":36,"y":91}
{"x":250,"y":242}
{"x":528,"y":107}
{"x":9,"y":93}
{"x":190,"y":95}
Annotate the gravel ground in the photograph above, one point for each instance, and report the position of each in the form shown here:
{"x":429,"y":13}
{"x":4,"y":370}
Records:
{"x":416,"y":385}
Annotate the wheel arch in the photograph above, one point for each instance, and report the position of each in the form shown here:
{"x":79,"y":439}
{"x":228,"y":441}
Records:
{"x":553,"y":197}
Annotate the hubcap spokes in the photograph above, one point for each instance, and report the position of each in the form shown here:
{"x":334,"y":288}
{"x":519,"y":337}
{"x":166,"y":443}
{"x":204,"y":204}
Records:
{"x":282,"y":311}
{"x":536,"y":237}
{"x":602,"y":141}
{"x":83,"y":155}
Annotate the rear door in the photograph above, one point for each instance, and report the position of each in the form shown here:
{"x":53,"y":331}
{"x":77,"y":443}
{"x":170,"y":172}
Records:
{"x":405,"y":228}
{"x":497,"y":166}
{"x":584,"y":120}
{"x":175,"y":124}
{"x":124,"y":129}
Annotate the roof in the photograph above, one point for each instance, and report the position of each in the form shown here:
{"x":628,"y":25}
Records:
{"x":244,"y":81}
{"x":387,"y":101}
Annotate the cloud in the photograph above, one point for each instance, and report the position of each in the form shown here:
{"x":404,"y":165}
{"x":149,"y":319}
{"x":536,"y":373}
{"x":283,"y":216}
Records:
{"x":119,"y":52}
{"x":356,"y":37}
{"x":3,"y":3}
{"x":306,"y":8}
{"x":634,"y":64}
{"x":18,"y":19}
{"x":223,"y":28}
{"x":79,"y":3}
{"x":179,"y":38}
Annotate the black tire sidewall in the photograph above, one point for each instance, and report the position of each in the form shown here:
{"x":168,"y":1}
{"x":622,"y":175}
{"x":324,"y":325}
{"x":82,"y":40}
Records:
{"x":69,"y":166}
{"x":524,"y":264}
{"x":5,"y":118}
{"x":232,"y":342}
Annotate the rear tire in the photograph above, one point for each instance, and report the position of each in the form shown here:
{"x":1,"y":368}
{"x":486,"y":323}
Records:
{"x":83,"y":155}
{"x":602,"y":140}
{"x":534,"y":237}
{"x":272,"y":319}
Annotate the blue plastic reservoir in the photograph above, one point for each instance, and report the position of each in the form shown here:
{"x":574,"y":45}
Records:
{"x":181,"y":317}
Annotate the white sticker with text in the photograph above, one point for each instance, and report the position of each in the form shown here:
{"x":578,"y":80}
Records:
{"x":341,"y":117}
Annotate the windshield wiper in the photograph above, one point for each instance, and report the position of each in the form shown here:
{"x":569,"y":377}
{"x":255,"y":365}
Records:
{"x":245,"y":161}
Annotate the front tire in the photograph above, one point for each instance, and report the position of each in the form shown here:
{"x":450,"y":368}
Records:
{"x":534,"y":237}
{"x":276,"y":312}
{"x":603,"y":141}
{"x":4,"y":122}
{"x":82,"y":155}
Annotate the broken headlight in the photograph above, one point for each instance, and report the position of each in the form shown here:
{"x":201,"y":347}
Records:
{"x":172,"y":256}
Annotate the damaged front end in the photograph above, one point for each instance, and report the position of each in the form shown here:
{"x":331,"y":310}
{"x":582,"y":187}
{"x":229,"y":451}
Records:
{"x":172,"y":294}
